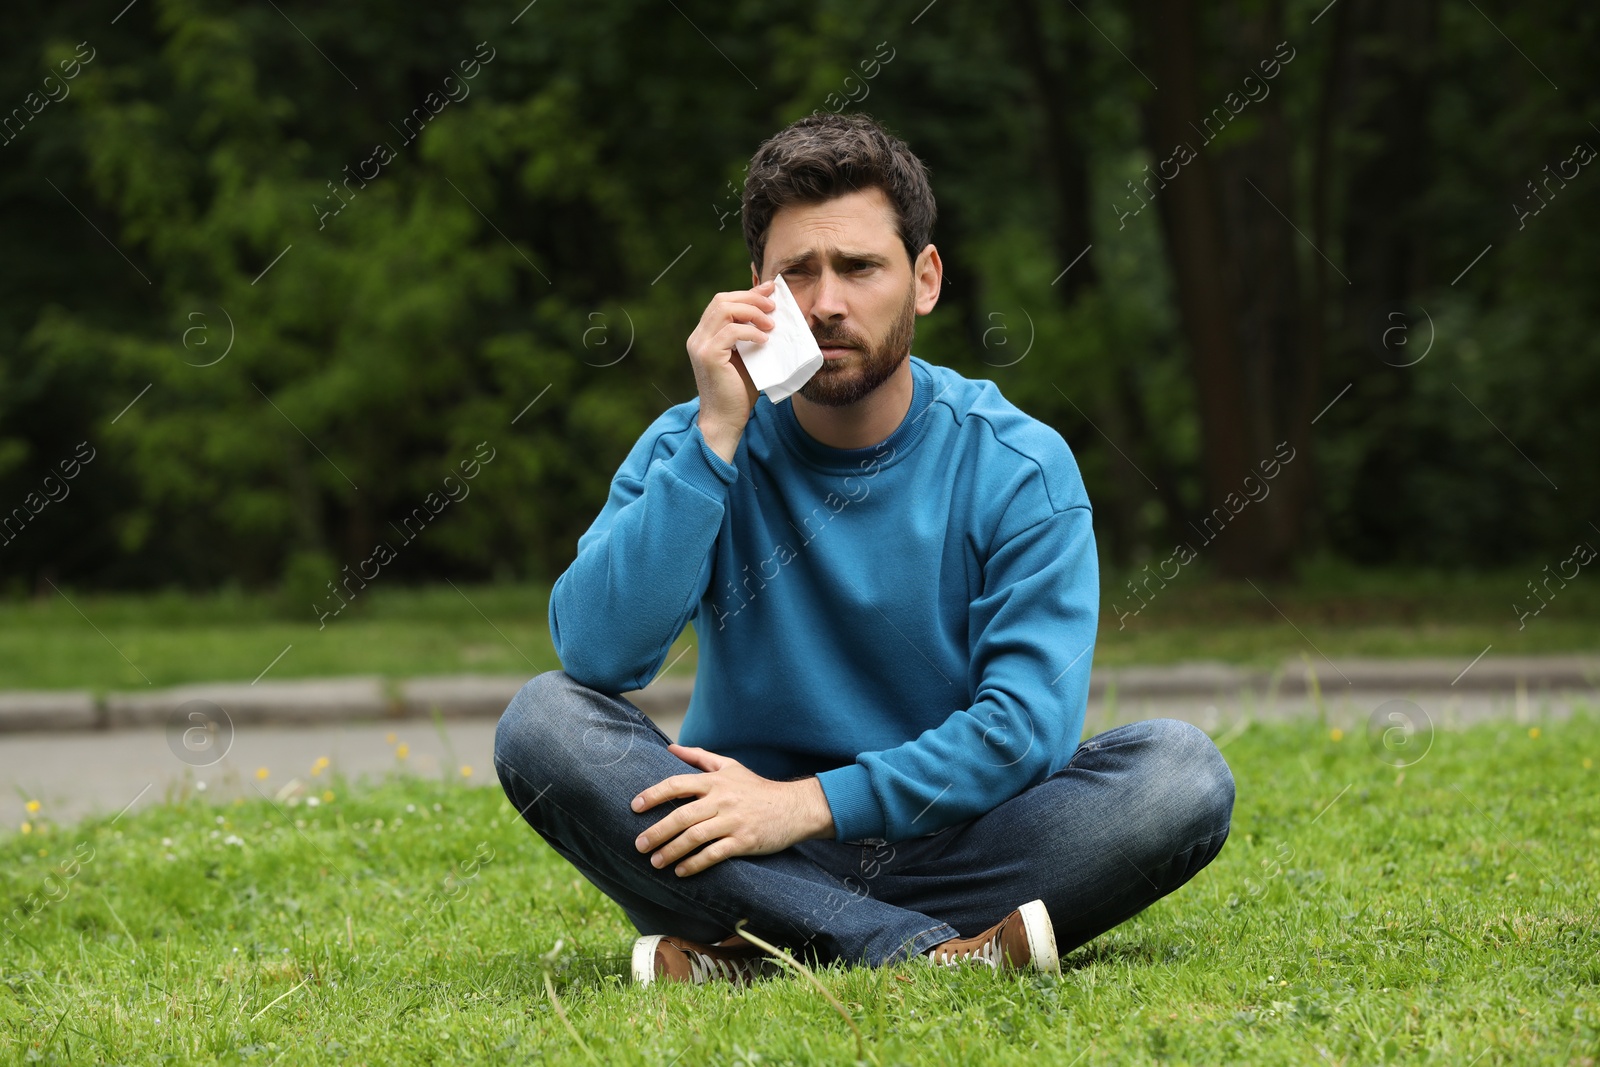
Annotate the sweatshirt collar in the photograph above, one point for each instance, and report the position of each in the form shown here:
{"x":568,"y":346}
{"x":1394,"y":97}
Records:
{"x":852,"y":460}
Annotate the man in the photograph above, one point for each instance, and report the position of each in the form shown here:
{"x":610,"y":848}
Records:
{"x":893,"y":583}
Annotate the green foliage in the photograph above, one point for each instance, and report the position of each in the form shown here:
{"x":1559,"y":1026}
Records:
{"x":306,"y":579}
{"x":313,"y":333}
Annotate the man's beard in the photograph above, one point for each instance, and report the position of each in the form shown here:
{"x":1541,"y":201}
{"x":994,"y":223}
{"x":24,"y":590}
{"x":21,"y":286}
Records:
{"x":839,"y":382}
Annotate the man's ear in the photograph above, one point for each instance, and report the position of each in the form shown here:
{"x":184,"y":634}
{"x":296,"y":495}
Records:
{"x":755,"y":276}
{"x":929,"y":279}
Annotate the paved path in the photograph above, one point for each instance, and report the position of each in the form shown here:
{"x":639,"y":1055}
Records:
{"x":77,"y":756}
{"x":82,"y":772}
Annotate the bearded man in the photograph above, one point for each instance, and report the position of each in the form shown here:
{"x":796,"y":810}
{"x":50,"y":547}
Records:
{"x":892,"y":579}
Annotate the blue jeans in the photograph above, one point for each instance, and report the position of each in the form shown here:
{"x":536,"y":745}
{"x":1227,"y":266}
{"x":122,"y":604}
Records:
{"x":1138,"y":812}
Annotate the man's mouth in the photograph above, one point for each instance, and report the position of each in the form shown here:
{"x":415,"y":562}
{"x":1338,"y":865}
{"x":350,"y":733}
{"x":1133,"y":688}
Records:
{"x":836,"y":351}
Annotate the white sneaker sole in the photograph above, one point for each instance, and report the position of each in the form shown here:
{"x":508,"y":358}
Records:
{"x":644,"y":958}
{"x":1035,"y":923}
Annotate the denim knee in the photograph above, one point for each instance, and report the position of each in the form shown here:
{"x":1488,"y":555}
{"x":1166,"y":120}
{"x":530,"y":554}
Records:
{"x":1194,"y":766}
{"x":557,"y":730}
{"x":541,"y":709}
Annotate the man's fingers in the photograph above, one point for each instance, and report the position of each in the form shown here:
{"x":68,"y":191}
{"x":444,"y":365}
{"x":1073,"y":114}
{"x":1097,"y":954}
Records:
{"x":730,"y":815}
{"x":679,"y":785}
{"x":671,"y":826}
{"x":702,"y":758}
{"x":680,"y":846}
{"x":709,"y":856}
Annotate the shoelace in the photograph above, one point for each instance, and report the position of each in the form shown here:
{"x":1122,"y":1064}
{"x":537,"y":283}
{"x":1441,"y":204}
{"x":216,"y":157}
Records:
{"x":986,"y":953}
{"x":703,"y":968}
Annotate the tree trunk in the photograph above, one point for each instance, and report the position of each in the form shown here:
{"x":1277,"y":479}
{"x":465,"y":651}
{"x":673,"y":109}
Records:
{"x":1059,"y":90}
{"x":1384,"y":228}
{"x":1236,"y":271}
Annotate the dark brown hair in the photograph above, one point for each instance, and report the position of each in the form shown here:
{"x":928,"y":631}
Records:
{"x":824,"y":155}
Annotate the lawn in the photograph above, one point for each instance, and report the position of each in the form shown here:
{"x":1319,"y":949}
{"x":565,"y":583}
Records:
{"x":107,"y":641}
{"x":1440,"y":913}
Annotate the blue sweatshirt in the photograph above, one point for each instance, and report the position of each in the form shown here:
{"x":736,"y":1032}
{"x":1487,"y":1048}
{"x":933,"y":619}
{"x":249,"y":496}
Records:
{"x":912,"y":622}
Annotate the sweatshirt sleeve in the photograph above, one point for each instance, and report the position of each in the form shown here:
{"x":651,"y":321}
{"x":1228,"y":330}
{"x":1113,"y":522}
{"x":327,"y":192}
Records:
{"x":1033,"y":632}
{"x":645,"y":561}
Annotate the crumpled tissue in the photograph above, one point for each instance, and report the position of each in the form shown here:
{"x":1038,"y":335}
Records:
{"x":790,"y":355}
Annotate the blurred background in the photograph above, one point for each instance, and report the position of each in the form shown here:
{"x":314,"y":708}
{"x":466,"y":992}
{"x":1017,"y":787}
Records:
{"x":1303,"y":285}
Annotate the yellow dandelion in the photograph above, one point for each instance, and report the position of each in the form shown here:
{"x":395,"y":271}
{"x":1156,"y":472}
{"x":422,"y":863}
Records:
{"x":319,"y":766}
{"x":389,"y":737}
{"x":1533,"y":732}
{"x":1336,"y":734}
{"x":261,"y":774}
{"x":402,"y":751}
{"x":327,"y":796}
{"x":32,"y":806}
{"x":466,"y":770}
{"x":1587,"y":763}
{"x":27,"y":827}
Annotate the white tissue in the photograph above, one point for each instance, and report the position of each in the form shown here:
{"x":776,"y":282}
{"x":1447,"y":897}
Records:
{"x":789,"y":356}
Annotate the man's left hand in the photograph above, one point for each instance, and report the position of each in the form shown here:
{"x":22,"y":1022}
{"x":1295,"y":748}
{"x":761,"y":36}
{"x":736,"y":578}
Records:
{"x":736,"y":812}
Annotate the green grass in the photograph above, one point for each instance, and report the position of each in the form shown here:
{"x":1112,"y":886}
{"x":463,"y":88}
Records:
{"x":105,"y":642}
{"x":119,"y":641}
{"x":1358,"y":914}
{"x":1344,"y":612}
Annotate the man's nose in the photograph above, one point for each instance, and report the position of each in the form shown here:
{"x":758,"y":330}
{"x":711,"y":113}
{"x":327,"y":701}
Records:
{"x":828,"y":301}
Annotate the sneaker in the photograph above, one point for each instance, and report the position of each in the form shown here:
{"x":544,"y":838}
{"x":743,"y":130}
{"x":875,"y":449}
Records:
{"x":662,"y":958}
{"x":1021,"y":940}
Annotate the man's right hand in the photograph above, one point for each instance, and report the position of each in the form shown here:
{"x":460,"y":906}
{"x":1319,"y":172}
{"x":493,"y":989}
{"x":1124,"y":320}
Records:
{"x":726,"y":392}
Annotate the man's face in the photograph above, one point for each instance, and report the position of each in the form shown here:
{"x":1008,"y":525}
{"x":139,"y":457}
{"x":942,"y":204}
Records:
{"x":848,"y":272}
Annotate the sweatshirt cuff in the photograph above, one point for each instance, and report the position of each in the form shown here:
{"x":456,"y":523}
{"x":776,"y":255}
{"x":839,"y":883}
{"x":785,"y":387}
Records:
{"x":703,"y":468}
{"x":857,"y":815}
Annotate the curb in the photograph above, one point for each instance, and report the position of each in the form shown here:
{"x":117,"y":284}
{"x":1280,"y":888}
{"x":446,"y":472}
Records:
{"x":307,"y":702}
{"x":1503,"y":675}
{"x":366,"y":698}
